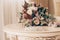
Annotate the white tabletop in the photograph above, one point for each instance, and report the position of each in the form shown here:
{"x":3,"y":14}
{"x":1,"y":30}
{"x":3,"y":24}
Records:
{"x":19,"y":29}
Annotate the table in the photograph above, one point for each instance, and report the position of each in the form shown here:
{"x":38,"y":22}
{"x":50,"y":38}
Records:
{"x":19,"y":32}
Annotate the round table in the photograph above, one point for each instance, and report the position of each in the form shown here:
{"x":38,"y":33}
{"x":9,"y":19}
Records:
{"x":19,"y":32}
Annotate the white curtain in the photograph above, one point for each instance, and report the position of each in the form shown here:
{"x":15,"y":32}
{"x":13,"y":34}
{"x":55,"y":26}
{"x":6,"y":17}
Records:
{"x":1,"y":20}
{"x":10,"y":12}
{"x":11,"y":7}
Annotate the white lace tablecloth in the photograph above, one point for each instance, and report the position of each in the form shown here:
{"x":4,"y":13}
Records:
{"x":35,"y":33}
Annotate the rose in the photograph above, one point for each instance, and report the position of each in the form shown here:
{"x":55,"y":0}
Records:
{"x":36,"y":21}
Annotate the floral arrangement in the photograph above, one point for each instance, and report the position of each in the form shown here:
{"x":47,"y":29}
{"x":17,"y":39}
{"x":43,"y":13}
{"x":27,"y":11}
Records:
{"x":33,"y":15}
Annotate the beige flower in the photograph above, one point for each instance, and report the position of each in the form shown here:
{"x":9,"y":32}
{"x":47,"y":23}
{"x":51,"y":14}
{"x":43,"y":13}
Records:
{"x":36,"y":21}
